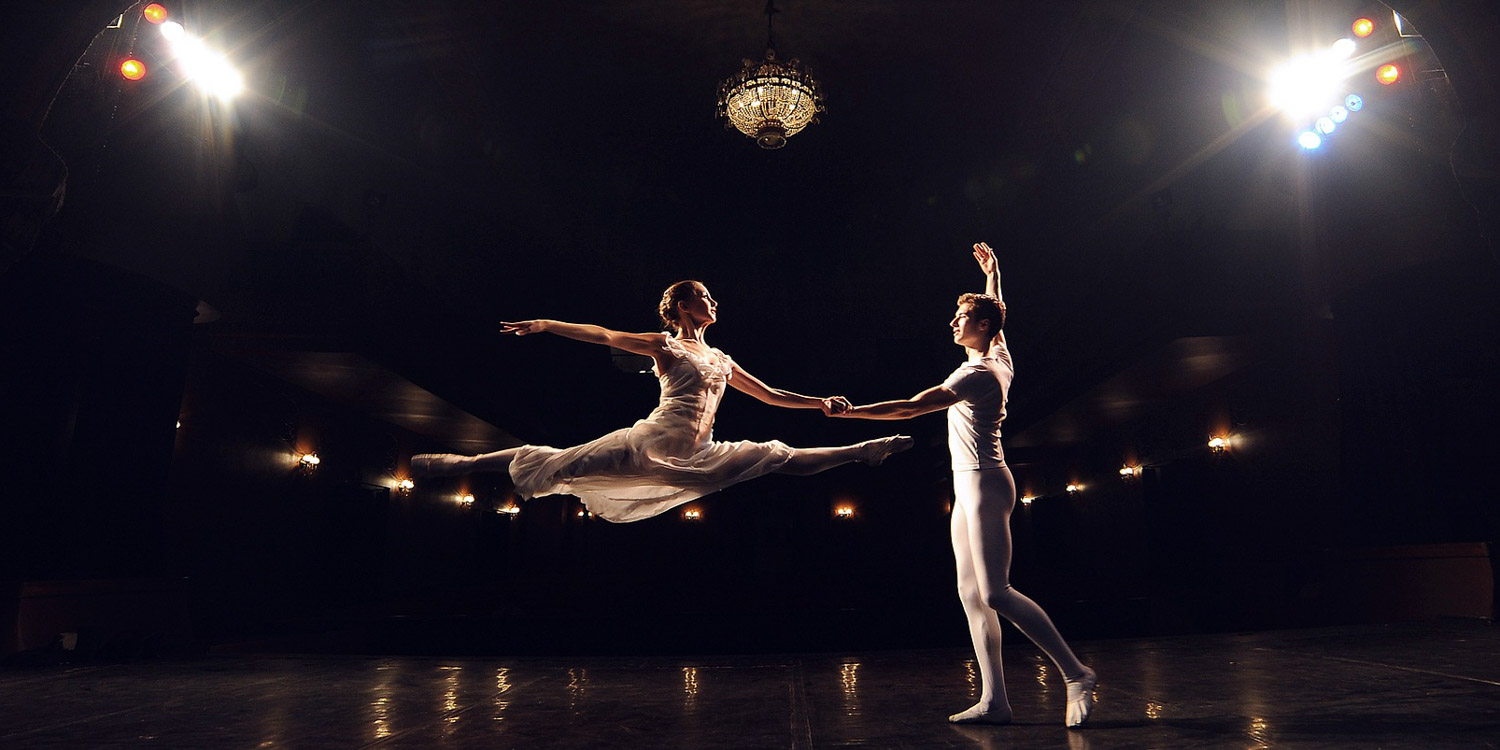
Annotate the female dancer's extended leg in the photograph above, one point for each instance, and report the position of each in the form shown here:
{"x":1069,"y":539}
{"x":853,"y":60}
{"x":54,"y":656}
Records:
{"x":448,"y":464}
{"x":805,"y":461}
{"x":983,"y":502}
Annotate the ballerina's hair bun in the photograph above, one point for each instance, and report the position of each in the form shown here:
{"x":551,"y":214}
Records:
{"x":674,"y":294}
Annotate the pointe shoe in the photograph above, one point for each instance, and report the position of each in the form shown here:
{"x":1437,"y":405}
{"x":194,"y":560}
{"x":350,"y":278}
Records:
{"x":1081,"y":698}
{"x":878,"y":450}
{"x":434,"y":464}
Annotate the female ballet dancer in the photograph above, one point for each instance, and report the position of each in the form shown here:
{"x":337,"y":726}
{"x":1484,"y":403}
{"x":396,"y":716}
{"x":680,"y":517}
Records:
{"x":984,"y":497}
{"x":669,"y":457}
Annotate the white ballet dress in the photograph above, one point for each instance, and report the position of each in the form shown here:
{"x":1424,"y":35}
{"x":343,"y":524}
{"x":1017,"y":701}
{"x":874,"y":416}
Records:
{"x":662,"y":461}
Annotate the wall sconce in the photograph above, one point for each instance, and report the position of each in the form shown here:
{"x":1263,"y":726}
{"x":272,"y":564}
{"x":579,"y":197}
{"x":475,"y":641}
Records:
{"x":1219,"y":443}
{"x":844,"y":511}
{"x":1075,"y":488}
{"x":692,"y":514}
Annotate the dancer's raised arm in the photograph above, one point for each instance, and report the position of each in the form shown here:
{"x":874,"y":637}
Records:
{"x":991,"y":268}
{"x":748,"y":384}
{"x":648,"y":344}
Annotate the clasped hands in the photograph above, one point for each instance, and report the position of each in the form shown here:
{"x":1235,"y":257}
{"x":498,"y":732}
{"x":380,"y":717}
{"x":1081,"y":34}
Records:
{"x":836,"y":406}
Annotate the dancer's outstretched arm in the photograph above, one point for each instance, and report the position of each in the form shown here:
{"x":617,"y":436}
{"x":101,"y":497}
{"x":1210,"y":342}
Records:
{"x":746,"y":383}
{"x":926,"y":402}
{"x":648,"y":344}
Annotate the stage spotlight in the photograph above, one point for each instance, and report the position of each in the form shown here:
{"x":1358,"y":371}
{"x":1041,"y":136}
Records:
{"x":309,"y":460}
{"x":1027,"y":500}
{"x":1388,"y":73}
{"x":844,"y":511}
{"x":693,"y":514}
{"x":1074,"y":489}
{"x":465,"y":499}
{"x":1218,"y":444}
{"x":133,"y":69}
{"x":1363,"y":27}
{"x":172,"y":31}
{"x":209,"y":70}
{"x":154,"y":13}
{"x":509,"y":510}
{"x":1309,"y":140}
{"x":1308,"y":84}
{"x":1354,"y":102}
{"x":1344,"y":47}
{"x":405,"y":485}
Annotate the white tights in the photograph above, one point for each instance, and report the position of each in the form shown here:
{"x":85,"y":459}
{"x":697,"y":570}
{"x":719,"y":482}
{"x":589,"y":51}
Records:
{"x":983,"y":501}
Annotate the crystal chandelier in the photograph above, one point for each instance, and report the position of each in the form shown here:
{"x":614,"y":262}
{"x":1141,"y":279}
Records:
{"x":770,"y":100}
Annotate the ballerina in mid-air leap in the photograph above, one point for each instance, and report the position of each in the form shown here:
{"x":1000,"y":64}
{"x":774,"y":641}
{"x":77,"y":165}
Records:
{"x":670,"y":457}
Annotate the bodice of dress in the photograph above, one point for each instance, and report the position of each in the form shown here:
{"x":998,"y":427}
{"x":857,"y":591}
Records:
{"x":691,"y":387}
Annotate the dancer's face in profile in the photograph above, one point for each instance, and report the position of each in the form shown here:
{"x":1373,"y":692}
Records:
{"x":967,"y":331}
{"x":698,"y":307}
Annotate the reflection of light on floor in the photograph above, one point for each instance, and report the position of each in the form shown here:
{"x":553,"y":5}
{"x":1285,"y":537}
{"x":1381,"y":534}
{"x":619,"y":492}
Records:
{"x":1041,"y":675}
{"x":578,"y":685}
{"x":380,"y":707}
{"x":1153,"y":710}
{"x":849,"y":678}
{"x":972,"y":677}
{"x":690,"y":683}
{"x":450,"y":697}
{"x":502,"y":686}
{"x":1259,"y":729}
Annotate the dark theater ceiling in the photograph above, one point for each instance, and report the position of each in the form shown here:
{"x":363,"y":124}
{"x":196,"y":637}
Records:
{"x":399,"y":176}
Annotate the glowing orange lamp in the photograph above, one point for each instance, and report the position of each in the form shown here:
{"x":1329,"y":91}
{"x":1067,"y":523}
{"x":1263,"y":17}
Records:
{"x":133,"y":69}
{"x":1364,"y":27}
{"x":1388,"y":73}
{"x":154,"y":13}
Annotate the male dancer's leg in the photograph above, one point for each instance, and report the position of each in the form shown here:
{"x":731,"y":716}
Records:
{"x":984,"y":626}
{"x":993,"y":494}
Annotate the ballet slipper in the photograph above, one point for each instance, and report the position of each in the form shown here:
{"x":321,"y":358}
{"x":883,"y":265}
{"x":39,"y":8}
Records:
{"x":878,"y":450}
{"x":977,"y":715}
{"x":1081,"y":697}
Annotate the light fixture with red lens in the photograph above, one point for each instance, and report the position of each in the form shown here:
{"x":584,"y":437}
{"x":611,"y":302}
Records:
{"x":133,"y":69}
{"x":154,"y":13}
{"x":1364,"y":27}
{"x":1388,"y":73}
